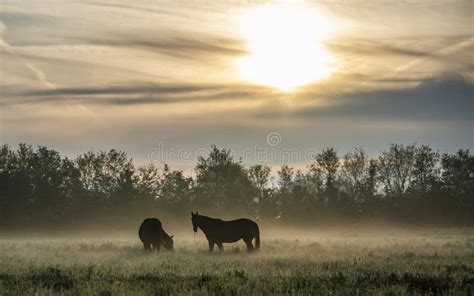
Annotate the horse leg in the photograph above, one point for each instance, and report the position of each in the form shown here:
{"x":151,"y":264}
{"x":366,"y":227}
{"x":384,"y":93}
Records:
{"x":157,"y":246}
{"x":147,"y":247}
{"x":248,"y":242}
{"x":221,"y":247}
{"x":211,"y":246}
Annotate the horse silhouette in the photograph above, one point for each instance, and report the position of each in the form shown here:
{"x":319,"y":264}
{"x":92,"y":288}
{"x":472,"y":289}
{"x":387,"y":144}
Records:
{"x":153,"y":235}
{"x":218,"y":231}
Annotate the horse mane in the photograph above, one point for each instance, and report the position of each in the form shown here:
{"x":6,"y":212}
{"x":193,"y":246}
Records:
{"x":210,"y":218}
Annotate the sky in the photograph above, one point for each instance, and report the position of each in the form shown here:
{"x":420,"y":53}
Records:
{"x":274,"y":81}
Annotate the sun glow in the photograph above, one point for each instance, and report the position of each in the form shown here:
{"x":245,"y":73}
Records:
{"x":285,"y":45}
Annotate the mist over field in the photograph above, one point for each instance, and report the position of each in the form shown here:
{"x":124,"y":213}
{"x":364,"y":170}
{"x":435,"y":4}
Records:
{"x":339,"y":261}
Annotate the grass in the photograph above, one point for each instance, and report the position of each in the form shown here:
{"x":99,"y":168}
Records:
{"x":382,"y":262}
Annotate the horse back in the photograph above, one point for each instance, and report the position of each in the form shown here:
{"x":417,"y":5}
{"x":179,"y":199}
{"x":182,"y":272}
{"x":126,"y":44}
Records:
{"x":244,"y":222}
{"x":150,"y":230}
{"x":231,"y":231}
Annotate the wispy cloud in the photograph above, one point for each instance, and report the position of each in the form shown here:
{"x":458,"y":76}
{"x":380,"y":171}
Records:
{"x":138,"y":94}
{"x":5,"y":47}
{"x":449,"y":97}
{"x":466,"y":44}
{"x":176,"y":44}
{"x":422,"y":47}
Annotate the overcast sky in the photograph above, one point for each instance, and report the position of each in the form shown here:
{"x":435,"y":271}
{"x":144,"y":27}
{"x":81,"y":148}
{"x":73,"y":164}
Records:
{"x":148,"y":76}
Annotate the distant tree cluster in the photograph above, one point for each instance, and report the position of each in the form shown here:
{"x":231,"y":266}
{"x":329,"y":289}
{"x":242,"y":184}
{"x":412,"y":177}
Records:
{"x":412,"y":184}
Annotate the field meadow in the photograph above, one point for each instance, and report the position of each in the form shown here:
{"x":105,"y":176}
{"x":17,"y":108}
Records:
{"x":319,"y":262}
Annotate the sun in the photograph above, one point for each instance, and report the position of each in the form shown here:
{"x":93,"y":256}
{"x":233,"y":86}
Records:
{"x":285,"y":45}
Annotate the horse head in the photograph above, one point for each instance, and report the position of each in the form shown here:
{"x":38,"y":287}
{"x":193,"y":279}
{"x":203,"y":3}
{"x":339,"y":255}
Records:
{"x":168,"y":242}
{"x":195,"y":219}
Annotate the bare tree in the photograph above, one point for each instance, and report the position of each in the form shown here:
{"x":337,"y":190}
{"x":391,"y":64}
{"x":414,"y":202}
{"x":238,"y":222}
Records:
{"x":426,"y":170}
{"x":358,"y":176}
{"x":328,"y":163}
{"x":396,"y":168}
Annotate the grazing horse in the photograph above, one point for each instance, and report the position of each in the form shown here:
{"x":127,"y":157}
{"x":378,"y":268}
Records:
{"x":152,"y":234}
{"x":218,"y":231}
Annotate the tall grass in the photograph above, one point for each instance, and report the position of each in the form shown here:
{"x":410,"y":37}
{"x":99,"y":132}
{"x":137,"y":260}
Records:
{"x":430,"y":262}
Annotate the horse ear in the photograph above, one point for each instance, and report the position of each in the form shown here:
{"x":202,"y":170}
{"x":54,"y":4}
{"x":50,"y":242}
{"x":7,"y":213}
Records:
{"x":192,"y":214}
{"x":197,"y":213}
{"x":172,"y":236}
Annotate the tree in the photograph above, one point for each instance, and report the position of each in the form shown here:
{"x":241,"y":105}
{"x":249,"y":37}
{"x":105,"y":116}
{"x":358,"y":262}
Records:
{"x":425,"y":170}
{"x":175,"y":190}
{"x":285,"y":180}
{"x":223,"y":183}
{"x":458,"y":172}
{"x":458,"y":183}
{"x":285,"y":187}
{"x":147,"y":181}
{"x":106,"y":178}
{"x":16,"y":190}
{"x":259,"y":175}
{"x":315,"y":180}
{"x":327,"y":163}
{"x":358,"y":176}
{"x":316,"y":190}
{"x":267,"y":204}
{"x":36,"y":185}
{"x":396,"y":169}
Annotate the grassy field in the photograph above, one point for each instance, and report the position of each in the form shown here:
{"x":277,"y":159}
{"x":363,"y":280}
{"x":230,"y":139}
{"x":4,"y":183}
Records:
{"x":436,"y":261}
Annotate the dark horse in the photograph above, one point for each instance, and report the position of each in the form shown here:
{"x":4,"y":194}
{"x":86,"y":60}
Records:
{"x":218,"y":231}
{"x":151,"y":233}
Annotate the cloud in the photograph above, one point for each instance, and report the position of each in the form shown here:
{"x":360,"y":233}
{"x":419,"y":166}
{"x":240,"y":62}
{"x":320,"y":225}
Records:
{"x":137,"y":8}
{"x":67,"y":64}
{"x":5,"y":47}
{"x":466,"y":43}
{"x":31,"y":28}
{"x":423,"y":48}
{"x":449,"y":97}
{"x":19,"y":19}
{"x":370,"y":48}
{"x":185,"y":45}
{"x":137,"y":94}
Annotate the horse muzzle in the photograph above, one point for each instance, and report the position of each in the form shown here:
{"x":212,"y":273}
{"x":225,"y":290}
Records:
{"x":195,"y":229}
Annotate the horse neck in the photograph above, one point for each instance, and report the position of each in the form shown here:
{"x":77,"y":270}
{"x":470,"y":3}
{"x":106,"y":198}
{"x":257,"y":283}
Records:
{"x":204,"y":225}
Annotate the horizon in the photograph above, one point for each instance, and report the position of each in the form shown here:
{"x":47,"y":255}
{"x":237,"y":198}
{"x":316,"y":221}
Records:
{"x":270,"y":156}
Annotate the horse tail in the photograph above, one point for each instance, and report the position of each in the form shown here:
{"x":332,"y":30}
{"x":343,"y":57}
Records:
{"x":257,"y":239}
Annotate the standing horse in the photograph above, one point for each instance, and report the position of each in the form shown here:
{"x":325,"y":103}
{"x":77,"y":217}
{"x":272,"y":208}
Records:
{"x":218,"y":231}
{"x":151,"y":233}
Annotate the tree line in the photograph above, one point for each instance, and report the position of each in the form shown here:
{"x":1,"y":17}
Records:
{"x":406,"y":183}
